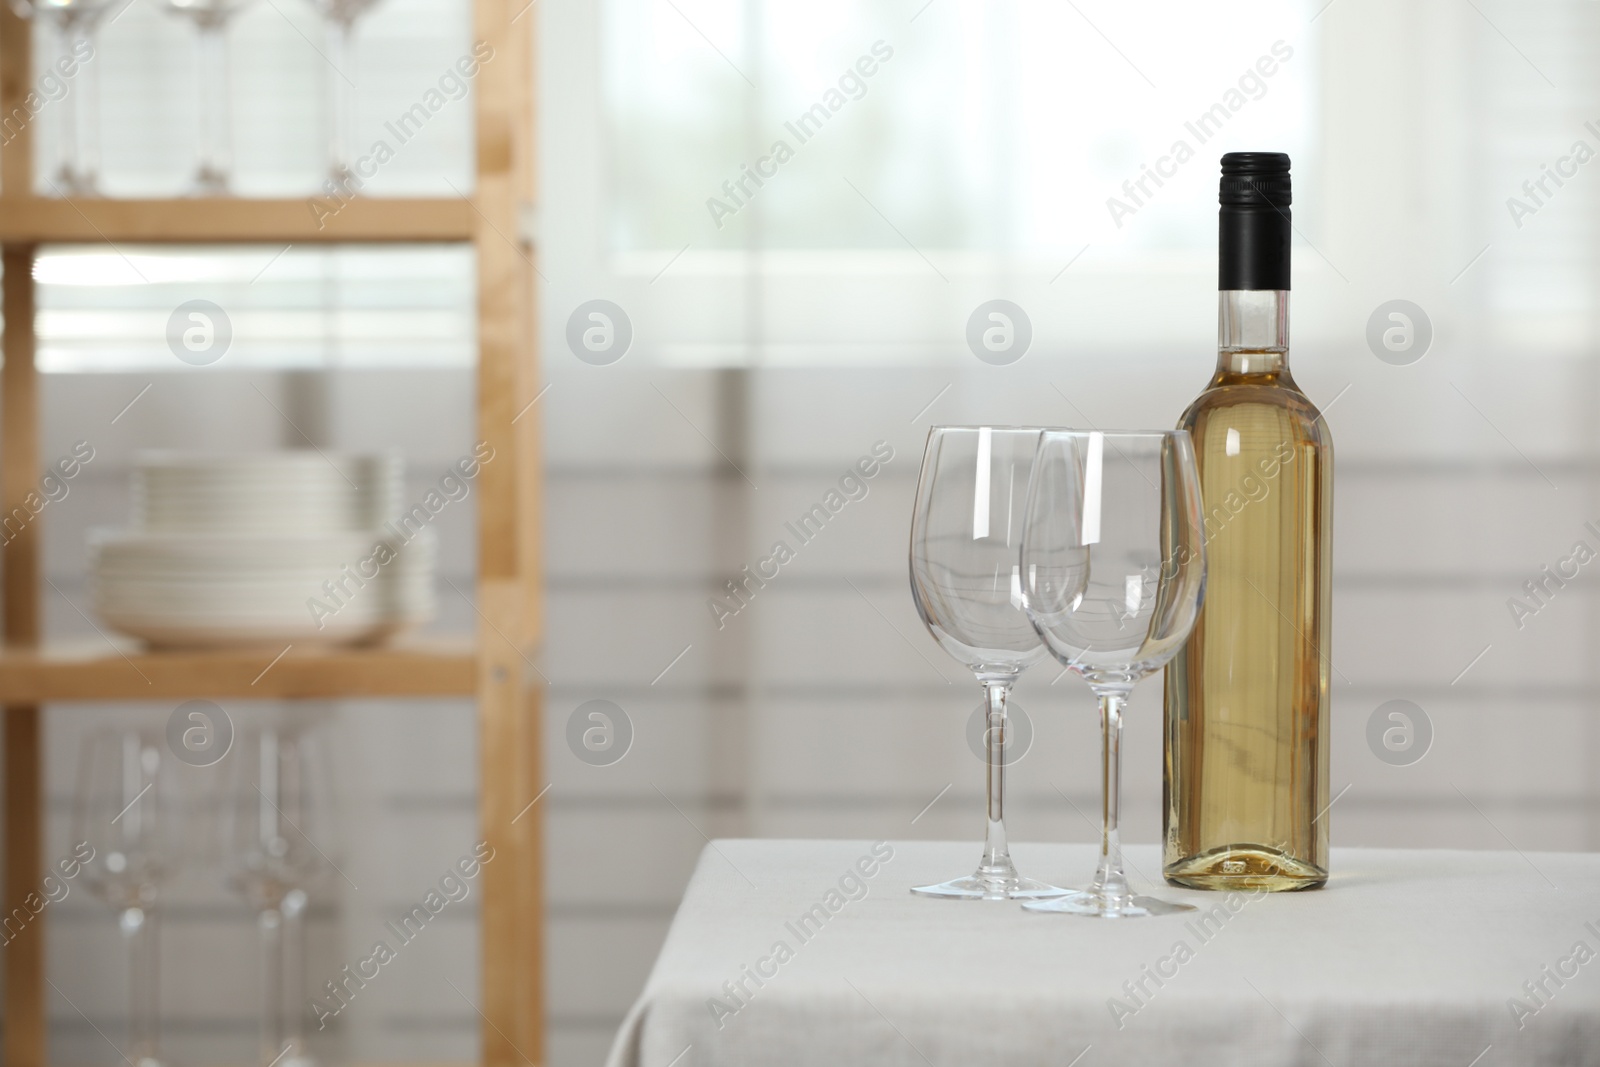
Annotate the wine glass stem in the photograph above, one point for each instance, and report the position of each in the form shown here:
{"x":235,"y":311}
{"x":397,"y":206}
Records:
{"x":342,"y":100}
{"x":294,"y":999}
{"x":1109,"y":880}
{"x":215,"y":151}
{"x":144,"y":982}
{"x":77,"y":151}
{"x":269,"y":924}
{"x":996,"y":854}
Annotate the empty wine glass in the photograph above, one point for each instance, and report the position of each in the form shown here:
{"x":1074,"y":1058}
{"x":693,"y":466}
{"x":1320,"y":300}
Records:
{"x":965,"y":531}
{"x":76,"y":22}
{"x":126,"y":810}
{"x":214,"y":152}
{"x":1113,"y":564}
{"x":341,"y":16}
{"x":279,"y":838}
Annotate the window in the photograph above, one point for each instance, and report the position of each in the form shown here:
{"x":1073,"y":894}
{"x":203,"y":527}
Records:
{"x":774,"y":183}
{"x":101,"y":309}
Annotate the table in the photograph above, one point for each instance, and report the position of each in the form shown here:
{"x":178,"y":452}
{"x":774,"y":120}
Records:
{"x":813,"y":952}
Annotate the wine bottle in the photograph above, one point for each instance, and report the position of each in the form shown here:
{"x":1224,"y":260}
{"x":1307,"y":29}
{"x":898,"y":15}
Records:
{"x":1246,"y":782}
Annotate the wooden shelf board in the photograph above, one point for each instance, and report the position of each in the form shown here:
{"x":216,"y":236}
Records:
{"x":405,"y":1063}
{"x":36,"y":220}
{"x":98,"y":671}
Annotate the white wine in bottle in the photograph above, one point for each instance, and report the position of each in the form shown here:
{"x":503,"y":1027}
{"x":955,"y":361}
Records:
{"x":1246,"y":783}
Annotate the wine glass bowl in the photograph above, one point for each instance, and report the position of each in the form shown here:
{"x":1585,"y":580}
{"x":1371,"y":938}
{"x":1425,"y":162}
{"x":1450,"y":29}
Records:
{"x":342,"y":11}
{"x":124,"y":817}
{"x":965,"y":528}
{"x":964,"y":576}
{"x":206,"y":12}
{"x":1112,"y":586}
{"x":1113,"y":565}
{"x":279,"y":808}
{"x":63,"y":11}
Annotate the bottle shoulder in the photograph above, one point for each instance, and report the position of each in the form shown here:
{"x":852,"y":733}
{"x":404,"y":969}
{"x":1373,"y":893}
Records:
{"x":1257,"y":398}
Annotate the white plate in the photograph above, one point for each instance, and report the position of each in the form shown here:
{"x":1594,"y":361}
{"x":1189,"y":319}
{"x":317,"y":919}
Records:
{"x":237,"y":550}
{"x":282,"y":491}
{"x":111,"y":549}
{"x":179,"y":634}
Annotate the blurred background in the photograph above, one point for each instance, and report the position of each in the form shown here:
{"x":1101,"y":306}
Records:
{"x":779,"y":331}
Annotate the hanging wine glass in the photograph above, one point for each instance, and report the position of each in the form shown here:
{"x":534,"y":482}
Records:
{"x":214,"y":151}
{"x":76,"y":22}
{"x":127,"y":812}
{"x":279,"y":840}
{"x":341,"y":16}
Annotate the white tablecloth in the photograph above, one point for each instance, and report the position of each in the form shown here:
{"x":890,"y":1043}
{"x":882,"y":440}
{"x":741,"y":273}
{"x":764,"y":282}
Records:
{"x":1407,"y":958}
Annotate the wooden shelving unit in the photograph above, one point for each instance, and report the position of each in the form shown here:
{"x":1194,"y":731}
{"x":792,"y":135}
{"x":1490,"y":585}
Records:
{"x":490,"y":667}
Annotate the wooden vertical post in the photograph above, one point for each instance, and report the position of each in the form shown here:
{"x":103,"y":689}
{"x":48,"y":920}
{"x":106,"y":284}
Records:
{"x":16,"y":124}
{"x":24,"y":1044}
{"x":24,"y":809}
{"x":508,"y":583}
{"x":530,"y":541}
{"x":530,"y":989}
{"x":24,"y":952}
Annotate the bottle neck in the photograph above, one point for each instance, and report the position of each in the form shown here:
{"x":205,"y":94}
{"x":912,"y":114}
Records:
{"x":1253,"y":331}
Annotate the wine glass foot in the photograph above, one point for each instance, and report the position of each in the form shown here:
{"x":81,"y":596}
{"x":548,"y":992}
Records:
{"x":1101,"y":905}
{"x":76,"y":183}
{"x":209,"y":181}
{"x":344,"y":179}
{"x":977,"y":887}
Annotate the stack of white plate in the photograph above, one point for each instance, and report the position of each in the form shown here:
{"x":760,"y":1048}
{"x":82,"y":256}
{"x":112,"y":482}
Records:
{"x":292,"y":547}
